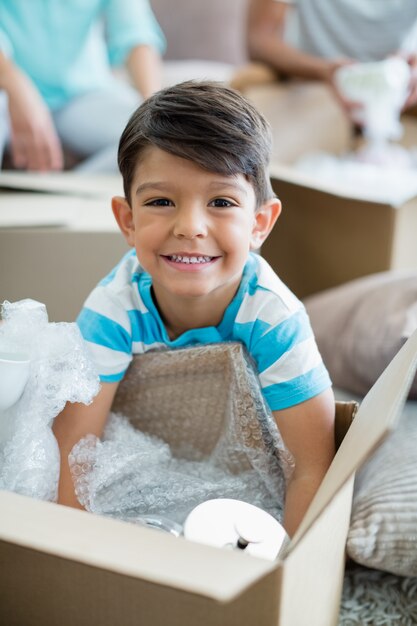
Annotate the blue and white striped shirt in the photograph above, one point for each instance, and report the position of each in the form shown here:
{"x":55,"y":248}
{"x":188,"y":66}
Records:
{"x":120,"y":319}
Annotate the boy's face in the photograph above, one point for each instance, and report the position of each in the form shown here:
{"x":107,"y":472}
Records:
{"x":192,"y":229}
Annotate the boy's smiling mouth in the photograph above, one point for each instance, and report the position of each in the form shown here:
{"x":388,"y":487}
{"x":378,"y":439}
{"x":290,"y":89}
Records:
{"x":184,"y":258}
{"x":193,"y":260}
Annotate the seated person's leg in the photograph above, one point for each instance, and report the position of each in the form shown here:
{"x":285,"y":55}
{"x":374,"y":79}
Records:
{"x":90,"y":126}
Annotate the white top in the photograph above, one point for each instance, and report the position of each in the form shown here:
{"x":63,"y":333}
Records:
{"x":366,"y":30}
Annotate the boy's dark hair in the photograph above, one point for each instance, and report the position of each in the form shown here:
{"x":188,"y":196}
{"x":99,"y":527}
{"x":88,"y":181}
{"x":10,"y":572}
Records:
{"x":205,"y":122}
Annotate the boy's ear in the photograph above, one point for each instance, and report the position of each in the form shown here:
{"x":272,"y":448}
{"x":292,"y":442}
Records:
{"x":265,"y":217}
{"x":124,"y":218}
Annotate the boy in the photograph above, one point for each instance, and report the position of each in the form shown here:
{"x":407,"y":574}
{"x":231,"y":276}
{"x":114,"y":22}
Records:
{"x":197,"y":200}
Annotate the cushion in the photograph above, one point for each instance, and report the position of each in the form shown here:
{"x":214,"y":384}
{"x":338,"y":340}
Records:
{"x":197,"y":29}
{"x":383,"y":527}
{"x":361,"y":325}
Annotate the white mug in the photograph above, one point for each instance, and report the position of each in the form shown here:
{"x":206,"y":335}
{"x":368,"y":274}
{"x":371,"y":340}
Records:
{"x":14,"y":374}
{"x":228,"y":523}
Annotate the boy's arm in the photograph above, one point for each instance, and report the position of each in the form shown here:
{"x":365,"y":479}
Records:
{"x":76,"y":421}
{"x":308,"y":432}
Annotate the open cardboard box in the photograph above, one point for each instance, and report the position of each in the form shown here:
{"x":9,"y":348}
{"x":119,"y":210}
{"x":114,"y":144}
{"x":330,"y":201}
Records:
{"x":64,"y":566}
{"x":328,"y":235}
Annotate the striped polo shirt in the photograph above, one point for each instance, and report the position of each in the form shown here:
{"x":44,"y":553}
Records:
{"x":120,"y":319}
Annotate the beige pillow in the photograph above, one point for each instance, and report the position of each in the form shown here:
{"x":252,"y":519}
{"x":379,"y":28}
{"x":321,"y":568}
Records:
{"x":383,"y":529}
{"x":197,"y":29}
{"x":361,"y":325}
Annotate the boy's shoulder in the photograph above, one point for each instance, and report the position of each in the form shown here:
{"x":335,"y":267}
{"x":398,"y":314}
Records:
{"x":123,"y":275}
{"x":120,"y":288}
{"x":266,"y":285}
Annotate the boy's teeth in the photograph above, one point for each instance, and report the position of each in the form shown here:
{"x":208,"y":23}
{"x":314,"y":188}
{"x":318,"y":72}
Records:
{"x":191,"y":259}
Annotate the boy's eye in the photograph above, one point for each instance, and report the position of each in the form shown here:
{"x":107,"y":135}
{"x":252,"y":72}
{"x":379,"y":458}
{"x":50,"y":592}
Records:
{"x":221,"y":203}
{"x":159,"y":202}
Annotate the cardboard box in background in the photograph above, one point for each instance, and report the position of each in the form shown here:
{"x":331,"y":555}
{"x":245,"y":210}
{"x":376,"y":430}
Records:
{"x":58,"y":238}
{"x":64,"y":566}
{"x":322,"y":240}
{"x":326,"y":237}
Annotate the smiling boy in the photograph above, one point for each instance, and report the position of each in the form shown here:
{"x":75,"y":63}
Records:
{"x":197,"y":202}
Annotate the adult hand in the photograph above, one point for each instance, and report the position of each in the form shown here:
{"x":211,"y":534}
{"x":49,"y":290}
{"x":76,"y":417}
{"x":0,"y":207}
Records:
{"x":35,"y":144}
{"x":350,"y":107}
{"x":412,"y":89}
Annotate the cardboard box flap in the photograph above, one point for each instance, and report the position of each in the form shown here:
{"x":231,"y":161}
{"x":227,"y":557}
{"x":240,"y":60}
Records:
{"x":71,"y":212}
{"x":378,"y":414}
{"x":128,"y":549}
{"x":96,"y":186}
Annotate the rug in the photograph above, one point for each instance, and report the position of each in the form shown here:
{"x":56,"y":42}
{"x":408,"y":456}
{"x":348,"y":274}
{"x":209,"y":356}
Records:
{"x":375,"y":598}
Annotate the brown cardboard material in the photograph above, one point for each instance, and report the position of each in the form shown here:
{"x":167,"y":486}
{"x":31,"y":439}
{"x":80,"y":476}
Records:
{"x":58,"y":238}
{"x":56,"y":266}
{"x":325,"y":237}
{"x":62,"y":566}
{"x":323,"y":240}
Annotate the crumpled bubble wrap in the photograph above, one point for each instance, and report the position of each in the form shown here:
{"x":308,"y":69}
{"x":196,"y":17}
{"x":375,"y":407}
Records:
{"x":60,"y":371}
{"x":187,"y":425}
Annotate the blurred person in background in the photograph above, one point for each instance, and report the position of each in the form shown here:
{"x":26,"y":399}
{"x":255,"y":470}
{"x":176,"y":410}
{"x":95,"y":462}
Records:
{"x":311,"y":39}
{"x":58,"y":92}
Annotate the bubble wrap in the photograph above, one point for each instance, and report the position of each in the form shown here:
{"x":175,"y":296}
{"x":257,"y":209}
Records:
{"x":187,"y":425}
{"x":60,"y":371}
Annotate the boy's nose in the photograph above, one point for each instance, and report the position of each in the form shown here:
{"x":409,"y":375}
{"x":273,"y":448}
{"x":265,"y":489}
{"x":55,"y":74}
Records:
{"x":190,"y":223}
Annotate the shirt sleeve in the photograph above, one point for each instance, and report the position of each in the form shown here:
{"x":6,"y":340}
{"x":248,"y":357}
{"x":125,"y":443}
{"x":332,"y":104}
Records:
{"x":106,"y":328}
{"x":289,"y":364}
{"x":128,"y":24}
